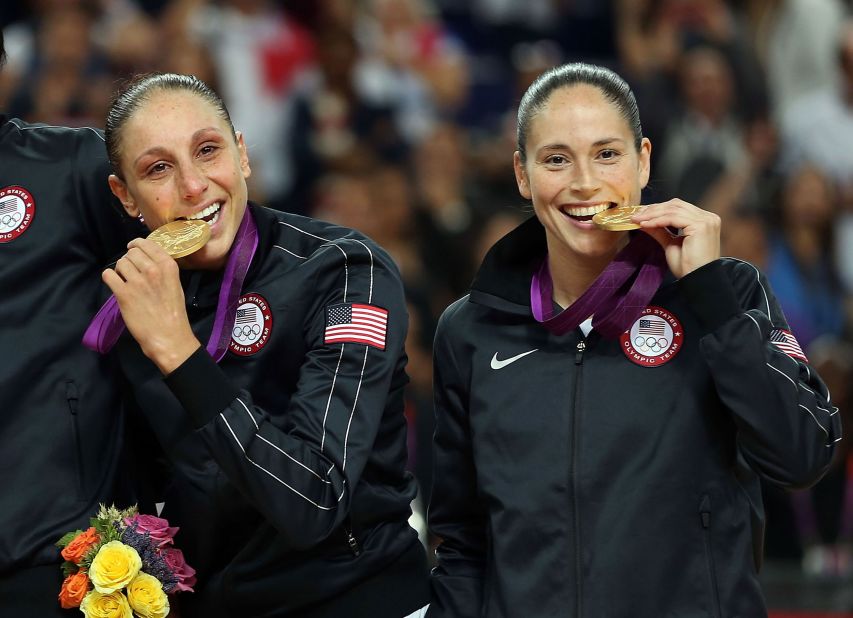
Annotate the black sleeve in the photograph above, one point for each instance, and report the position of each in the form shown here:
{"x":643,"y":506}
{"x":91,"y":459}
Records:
{"x":455,"y":513}
{"x":787,"y":429}
{"x":302,"y":479}
{"x":101,"y":214}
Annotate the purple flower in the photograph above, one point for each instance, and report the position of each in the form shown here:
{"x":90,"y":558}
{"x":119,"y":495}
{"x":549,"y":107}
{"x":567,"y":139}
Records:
{"x":158,"y":529}
{"x":153,"y":562}
{"x":184,"y":573}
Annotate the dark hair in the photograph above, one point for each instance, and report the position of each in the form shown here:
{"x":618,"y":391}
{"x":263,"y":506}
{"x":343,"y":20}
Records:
{"x":2,"y":49}
{"x":613,"y":87}
{"x":135,"y":93}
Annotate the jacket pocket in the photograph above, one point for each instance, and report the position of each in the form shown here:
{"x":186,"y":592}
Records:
{"x":705,"y":519}
{"x":73,"y":400}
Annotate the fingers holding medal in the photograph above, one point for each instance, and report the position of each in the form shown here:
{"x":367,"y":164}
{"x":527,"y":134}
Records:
{"x":146,"y":284}
{"x":621,"y":219}
{"x":177,"y":239}
{"x":689,"y":235}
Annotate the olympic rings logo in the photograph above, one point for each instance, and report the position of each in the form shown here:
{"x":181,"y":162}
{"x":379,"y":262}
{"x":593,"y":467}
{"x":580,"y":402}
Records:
{"x":10,"y":220}
{"x":654,"y":345}
{"x":246,"y":333}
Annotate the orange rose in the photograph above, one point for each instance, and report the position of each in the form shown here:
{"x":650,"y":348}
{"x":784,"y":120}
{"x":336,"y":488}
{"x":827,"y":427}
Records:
{"x":82,"y":543}
{"x":74,"y":588}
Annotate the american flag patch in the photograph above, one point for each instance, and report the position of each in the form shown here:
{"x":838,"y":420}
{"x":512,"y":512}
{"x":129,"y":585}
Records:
{"x":650,"y":327}
{"x":9,"y":205}
{"x":247,"y":315}
{"x":356,"y":323}
{"x":785,"y":341}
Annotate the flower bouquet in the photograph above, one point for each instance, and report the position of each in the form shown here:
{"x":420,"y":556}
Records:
{"x":123,"y":566}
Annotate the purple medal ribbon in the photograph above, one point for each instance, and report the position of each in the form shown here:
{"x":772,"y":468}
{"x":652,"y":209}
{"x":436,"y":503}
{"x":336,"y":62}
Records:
{"x":615,"y":299}
{"x":107,"y":325}
{"x":242,"y":251}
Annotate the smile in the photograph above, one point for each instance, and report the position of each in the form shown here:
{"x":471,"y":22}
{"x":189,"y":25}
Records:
{"x":209,"y":215}
{"x":585,"y":212}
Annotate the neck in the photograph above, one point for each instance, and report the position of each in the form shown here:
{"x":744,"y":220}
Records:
{"x":572,"y":274}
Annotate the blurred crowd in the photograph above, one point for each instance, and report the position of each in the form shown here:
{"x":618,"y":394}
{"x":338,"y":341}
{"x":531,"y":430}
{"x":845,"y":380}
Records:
{"x":397,"y":117}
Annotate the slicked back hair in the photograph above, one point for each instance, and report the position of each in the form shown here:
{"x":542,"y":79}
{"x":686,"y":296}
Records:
{"x":609,"y":83}
{"x":138,"y":91}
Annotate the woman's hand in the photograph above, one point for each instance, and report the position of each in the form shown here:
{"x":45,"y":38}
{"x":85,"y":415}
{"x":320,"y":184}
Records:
{"x":147,"y":286}
{"x":698,"y":242}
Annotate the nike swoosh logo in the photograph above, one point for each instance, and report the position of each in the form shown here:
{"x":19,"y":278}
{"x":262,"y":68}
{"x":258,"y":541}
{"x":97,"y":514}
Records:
{"x":500,"y":364}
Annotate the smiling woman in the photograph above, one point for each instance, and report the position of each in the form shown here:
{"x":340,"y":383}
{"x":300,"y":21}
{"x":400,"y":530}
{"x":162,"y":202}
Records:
{"x":285,"y":432}
{"x":185,"y":160}
{"x":607,"y":401}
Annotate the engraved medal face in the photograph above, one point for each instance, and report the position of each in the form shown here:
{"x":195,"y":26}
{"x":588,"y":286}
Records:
{"x":617,"y":219}
{"x":181,"y":238}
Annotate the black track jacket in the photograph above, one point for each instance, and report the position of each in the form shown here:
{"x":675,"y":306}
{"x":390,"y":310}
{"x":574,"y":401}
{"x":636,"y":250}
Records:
{"x":583,"y":477}
{"x":60,"y":426}
{"x":289,"y":480}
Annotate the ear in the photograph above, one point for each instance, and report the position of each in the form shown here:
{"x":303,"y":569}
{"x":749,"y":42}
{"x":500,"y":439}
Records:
{"x":521,"y":176}
{"x":244,"y":155}
{"x":645,"y":162}
{"x":119,"y":189}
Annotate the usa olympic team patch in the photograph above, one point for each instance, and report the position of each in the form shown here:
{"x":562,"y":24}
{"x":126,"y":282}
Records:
{"x":252,"y":325}
{"x":654,"y":339}
{"x":17,"y":209}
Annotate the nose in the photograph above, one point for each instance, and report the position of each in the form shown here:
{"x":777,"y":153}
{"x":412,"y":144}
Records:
{"x":193,"y":182}
{"x":583,"y":181}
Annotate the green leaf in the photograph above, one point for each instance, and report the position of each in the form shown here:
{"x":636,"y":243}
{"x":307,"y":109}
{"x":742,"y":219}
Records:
{"x":68,"y":568}
{"x":106,"y":530}
{"x":67,"y":538}
{"x":86,"y":562}
{"x":112,"y":513}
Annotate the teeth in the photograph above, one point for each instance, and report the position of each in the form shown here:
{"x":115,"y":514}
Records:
{"x":206,"y":212}
{"x":583,"y":211}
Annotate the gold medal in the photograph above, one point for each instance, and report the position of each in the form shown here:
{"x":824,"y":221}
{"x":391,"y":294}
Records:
{"x":617,"y":219}
{"x":181,"y":238}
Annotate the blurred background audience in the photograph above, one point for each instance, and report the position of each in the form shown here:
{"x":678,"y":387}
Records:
{"x":397,"y":117}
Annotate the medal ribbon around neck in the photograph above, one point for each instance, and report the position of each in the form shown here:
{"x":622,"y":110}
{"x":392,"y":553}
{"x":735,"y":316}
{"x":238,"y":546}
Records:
{"x":615,"y":299}
{"x":108,"y":325}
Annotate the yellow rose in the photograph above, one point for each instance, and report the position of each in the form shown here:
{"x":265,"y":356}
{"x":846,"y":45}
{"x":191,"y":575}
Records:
{"x":97,"y":605}
{"x":146,"y":597}
{"x":114,"y":566}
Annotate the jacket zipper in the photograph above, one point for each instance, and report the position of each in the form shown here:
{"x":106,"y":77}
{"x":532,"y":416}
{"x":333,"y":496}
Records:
{"x":352,"y":542}
{"x":72,"y":397}
{"x":579,"y":350}
{"x":705,"y":518}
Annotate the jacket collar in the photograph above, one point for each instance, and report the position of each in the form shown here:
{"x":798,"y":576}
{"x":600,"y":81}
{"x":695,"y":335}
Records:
{"x":503,"y":280}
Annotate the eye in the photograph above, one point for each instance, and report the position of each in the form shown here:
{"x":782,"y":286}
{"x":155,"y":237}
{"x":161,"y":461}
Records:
{"x":156,"y":169}
{"x":556,"y":159}
{"x":608,"y":154}
{"x":207,"y":150}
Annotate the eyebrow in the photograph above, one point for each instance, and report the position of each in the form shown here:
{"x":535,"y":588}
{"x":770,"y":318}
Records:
{"x":159,"y":150}
{"x":601,"y":142}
